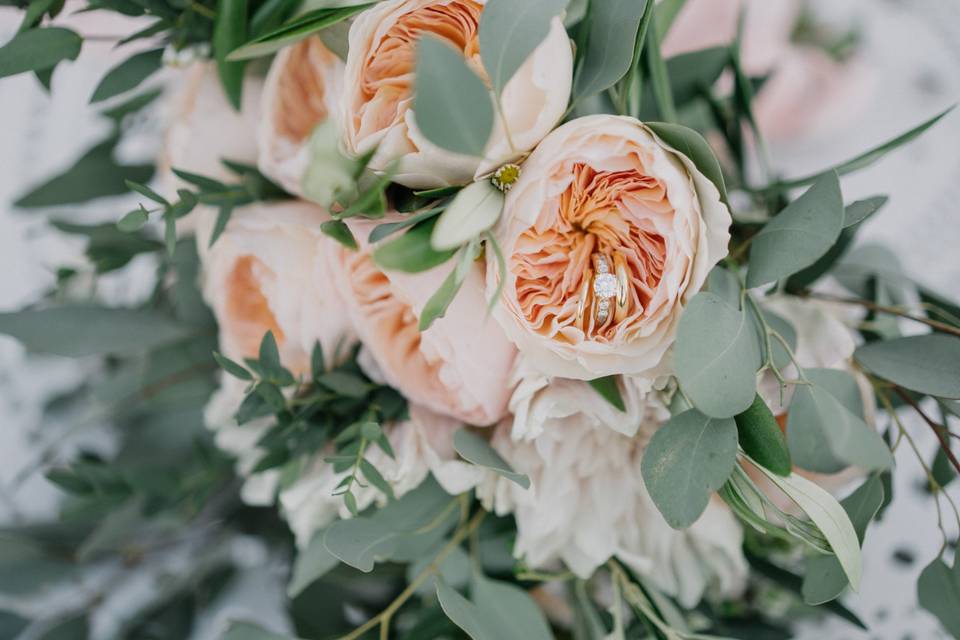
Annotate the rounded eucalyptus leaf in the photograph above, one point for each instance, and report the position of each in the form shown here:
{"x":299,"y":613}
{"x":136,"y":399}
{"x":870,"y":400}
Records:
{"x":925,"y":364}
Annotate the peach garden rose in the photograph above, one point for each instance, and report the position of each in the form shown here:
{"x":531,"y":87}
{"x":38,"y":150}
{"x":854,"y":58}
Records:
{"x":377,"y":109}
{"x":458,"y":367}
{"x":604,"y":188}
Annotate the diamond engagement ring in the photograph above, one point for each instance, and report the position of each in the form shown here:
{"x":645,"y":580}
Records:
{"x":604,"y":286}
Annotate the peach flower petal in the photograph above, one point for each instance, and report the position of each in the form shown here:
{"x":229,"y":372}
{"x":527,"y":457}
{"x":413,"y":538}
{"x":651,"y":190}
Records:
{"x":459,"y":366}
{"x":605,"y":185}
{"x":302,"y":90}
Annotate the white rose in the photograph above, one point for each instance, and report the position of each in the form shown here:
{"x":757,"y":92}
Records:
{"x":377,"y":106}
{"x":587,"y":502}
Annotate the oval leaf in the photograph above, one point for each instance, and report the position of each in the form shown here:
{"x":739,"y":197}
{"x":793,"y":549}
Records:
{"x":687,"y":459}
{"x":925,"y":364}
{"x":478,"y":451}
{"x":509,"y":33}
{"x":38,"y":49}
{"x":799,"y":235}
{"x":761,"y":438}
{"x":475,"y":209}
{"x":691,"y":144}
{"x":610,"y":47}
{"x":716,"y":356}
{"x":412,"y":251}
{"x":128,"y":74}
{"x":452,"y":106}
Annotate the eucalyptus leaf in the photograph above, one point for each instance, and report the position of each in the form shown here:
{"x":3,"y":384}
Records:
{"x":829,"y":517}
{"x":339,"y":231}
{"x":250,"y":631}
{"x":926,"y":363}
{"x":311,"y":564}
{"x":499,"y":611}
{"x":691,"y":145}
{"x":688,"y":458}
{"x":83,"y":330}
{"x":38,"y":49}
{"x":825,"y":430}
{"x":716,"y":356}
{"x":478,"y":451}
{"x":438,"y":303}
{"x":475,"y":209}
{"x":411,"y":252}
{"x":824,"y":579}
{"x":452,"y":106}
{"x":866,"y":158}
{"x":938,"y":591}
{"x":692,"y":73}
{"x":799,"y":235}
{"x":94,"y":175}
{"x":510,"y":32}
{"x":761,"y":438}
{"x":613,"y":26}
{"x":128,"y":74}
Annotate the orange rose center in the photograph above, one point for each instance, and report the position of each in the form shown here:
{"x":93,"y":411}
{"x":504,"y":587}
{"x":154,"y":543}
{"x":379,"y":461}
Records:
{"x":248,"y":313}
{"x":301,"y":90}
{"x":553,"y":259}
{"x":387,"y":76}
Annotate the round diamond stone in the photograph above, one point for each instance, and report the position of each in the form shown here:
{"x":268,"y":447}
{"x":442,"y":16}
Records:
{"x":605,"y":285}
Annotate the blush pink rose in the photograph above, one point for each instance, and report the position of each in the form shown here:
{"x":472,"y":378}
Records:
{"x":377,"y":108}
{"x":604,"y":185}
{"x":459,"y":367}
{"x":302,"y":90}
{"x":269,"y":271}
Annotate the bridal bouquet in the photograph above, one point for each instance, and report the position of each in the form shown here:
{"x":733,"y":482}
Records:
{"x":498,"y":307}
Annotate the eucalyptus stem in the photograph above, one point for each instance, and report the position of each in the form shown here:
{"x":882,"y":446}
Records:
{"x":383,"y":618}
{"x":881,"y":308}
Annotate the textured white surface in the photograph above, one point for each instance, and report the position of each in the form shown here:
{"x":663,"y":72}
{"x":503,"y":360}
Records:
{"x":911,"y":46}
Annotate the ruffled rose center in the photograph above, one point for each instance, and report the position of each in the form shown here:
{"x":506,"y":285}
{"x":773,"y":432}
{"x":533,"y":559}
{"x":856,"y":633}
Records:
{"x":248,"y":313}
{"x":301,"y":90}
{"x":387,"y":76}
{"x":600,"y":212}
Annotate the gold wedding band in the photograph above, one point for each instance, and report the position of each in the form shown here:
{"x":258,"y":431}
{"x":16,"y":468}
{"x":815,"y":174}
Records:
{"x":605,"y":285}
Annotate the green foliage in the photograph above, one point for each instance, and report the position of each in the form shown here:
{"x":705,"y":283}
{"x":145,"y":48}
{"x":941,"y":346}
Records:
{"x":498,"y":611}
{"x":38,"y":50}
{"x":75,"y":330}
{"x":438,"y":303}
{"x":412,"y":252}
{"x":294,"y":30}
{"x":400,"y":531}
{"x":128,"y":74}
{"x":687,"y":459}
{"x":693,"y":146}
{"x":96,"y":174}
{"x":471,"y":212}
{"x":799,"y":235}
{"x":452,"y":105}
{"x":759,"y":434}
{"x":608,"y":51}
{"x":925,"y":364}
{"x":229,"y":32}
{"x":478,"y":451}
{"x":717,"y":355}
{"x":610,"y":390}
{"x":823,"y":578}
{"x":509,"y":33}
{"x":938,"y":591}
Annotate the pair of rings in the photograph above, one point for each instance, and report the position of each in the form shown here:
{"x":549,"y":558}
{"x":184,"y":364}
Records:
{"x":604,"y":287}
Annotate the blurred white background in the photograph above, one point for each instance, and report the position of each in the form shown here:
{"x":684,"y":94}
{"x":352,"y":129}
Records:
{"x":909,"y":66}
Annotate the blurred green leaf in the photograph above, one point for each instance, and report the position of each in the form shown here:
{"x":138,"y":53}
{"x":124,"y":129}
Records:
{"x":128,"y":74}
{"x":761,"y":438}
{"x":82,"y":330}
{"x":295,"y":30}
{"x":609,"y":388}
{"x":38,"y":49}
{"x":94,"y":175}
{"x":610,"y":43}
{"x":499,"y":611}
{"x":938,"y":591}
{"x":411,"y":252}
{"x":229,"y":32}
{"x":311,"y":564}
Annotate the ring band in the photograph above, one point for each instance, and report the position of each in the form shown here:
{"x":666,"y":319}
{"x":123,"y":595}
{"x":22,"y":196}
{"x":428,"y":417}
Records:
{"x":600,"y":285}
